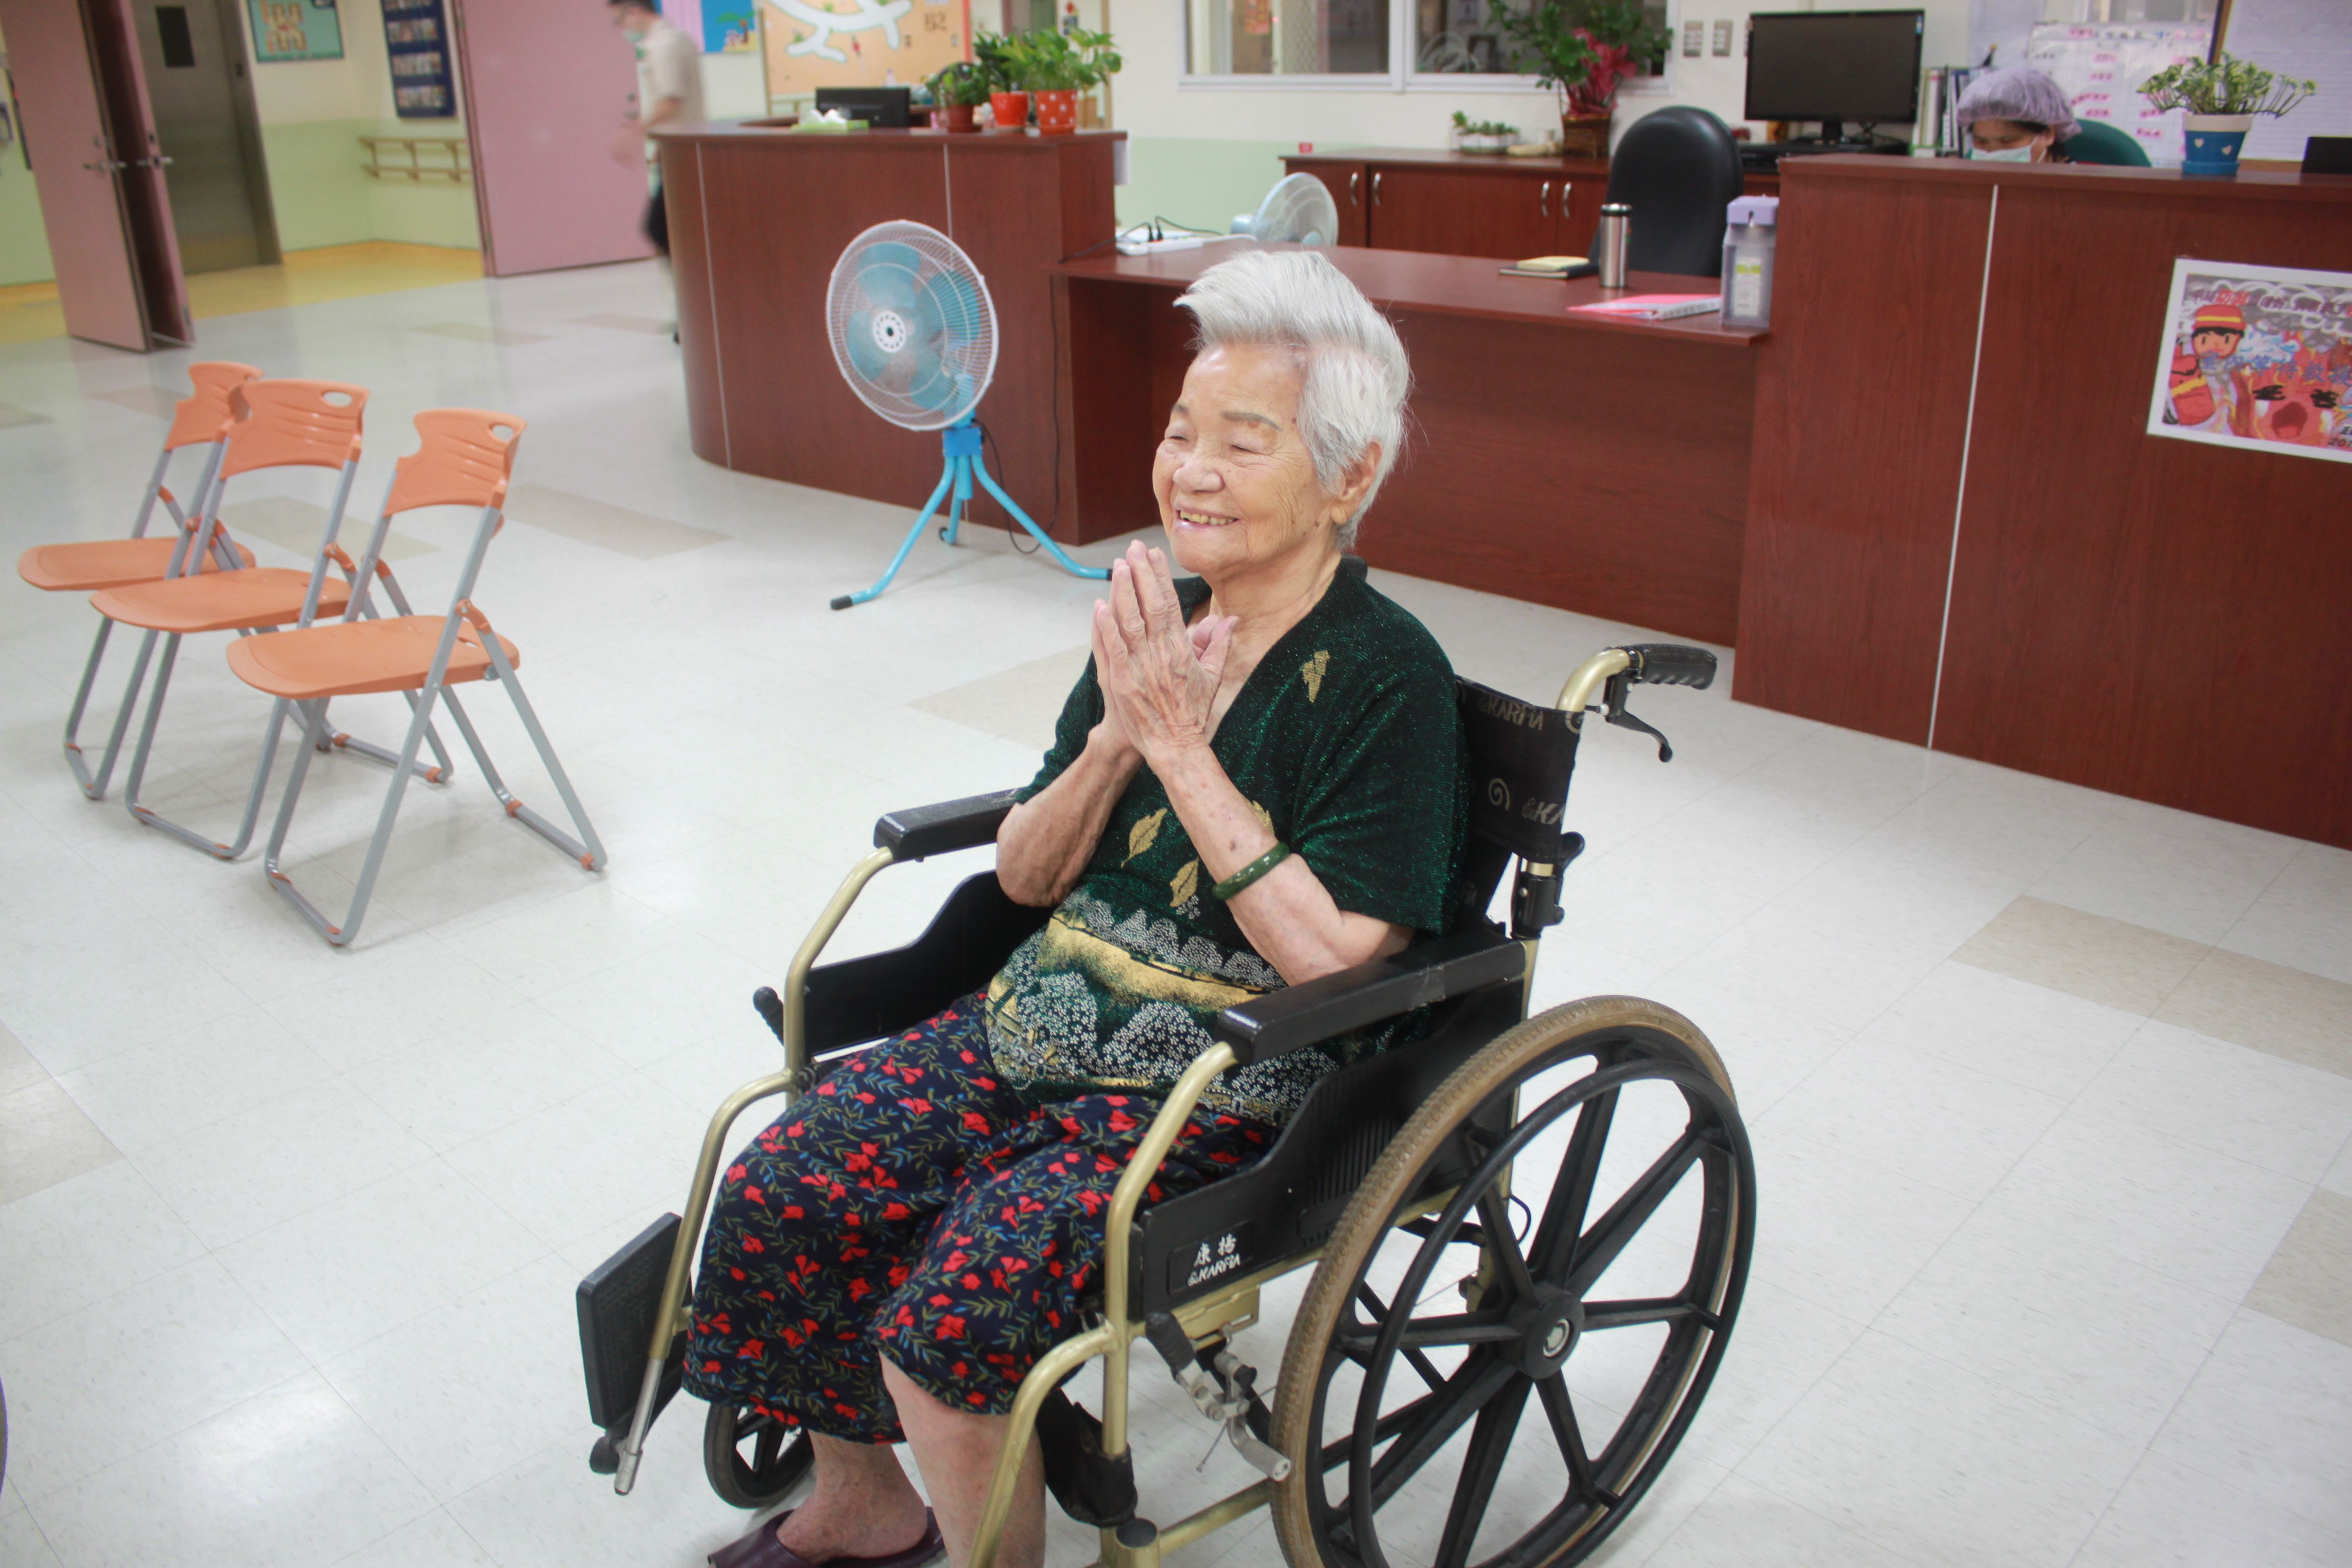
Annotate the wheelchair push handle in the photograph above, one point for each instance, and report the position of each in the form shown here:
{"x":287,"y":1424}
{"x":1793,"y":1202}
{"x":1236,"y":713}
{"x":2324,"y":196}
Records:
{"x":1670,"y":664}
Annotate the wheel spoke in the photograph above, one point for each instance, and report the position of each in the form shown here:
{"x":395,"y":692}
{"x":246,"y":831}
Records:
{"x":1601,"y":1245}
{"x":1464,"y":1394}
{"x":1490,"y":1445}
{"x":1454,"y":1329}
{"x":1358,"y":1348}
{"x":1564,"y":1429}
{"x":1571,"y":1194}
{"x":1502,"y":1246}
{"x":1631,"y":1314}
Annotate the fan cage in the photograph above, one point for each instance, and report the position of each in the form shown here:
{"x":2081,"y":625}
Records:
{"x":912,"y":326}
{"x":1297,"y":205}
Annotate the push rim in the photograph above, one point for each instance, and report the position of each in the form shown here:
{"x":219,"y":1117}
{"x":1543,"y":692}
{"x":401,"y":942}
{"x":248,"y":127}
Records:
{"x":1508,"y":1398}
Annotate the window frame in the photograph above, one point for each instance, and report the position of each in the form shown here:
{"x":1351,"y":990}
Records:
{"x":1398,"y":78}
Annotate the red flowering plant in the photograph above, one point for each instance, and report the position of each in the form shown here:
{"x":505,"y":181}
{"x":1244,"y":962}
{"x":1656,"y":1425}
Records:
{"x":1585,"y":48}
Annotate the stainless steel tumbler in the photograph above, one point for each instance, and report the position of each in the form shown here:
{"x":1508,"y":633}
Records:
{"x":1616,"y":222}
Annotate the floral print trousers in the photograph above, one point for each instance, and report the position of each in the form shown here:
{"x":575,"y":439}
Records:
{"x":913,"y":1206}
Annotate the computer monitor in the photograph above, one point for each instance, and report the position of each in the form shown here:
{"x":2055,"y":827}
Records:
{"x":1834,"y":66}
{"x":882,"y":108}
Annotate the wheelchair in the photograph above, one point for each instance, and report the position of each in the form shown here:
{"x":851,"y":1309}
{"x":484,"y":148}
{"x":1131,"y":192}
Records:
{"x":1442,"y":1191}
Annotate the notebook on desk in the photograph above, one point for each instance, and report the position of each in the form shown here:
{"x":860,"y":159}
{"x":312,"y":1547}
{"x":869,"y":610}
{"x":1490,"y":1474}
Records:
{"x":1653,"y":307}
{"x":1543,"y":266}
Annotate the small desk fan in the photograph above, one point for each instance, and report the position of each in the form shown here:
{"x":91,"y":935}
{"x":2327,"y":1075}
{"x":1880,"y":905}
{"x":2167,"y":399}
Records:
{"x":1298,"y":210}
{"x":915,"y":334}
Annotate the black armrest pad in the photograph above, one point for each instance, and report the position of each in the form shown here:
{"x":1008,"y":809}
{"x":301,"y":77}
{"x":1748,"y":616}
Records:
{"x":921,"y":831}
{"x":1301,"y":1016}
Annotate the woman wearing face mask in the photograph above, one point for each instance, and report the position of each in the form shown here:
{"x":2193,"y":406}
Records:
{"x":2016,"y":116}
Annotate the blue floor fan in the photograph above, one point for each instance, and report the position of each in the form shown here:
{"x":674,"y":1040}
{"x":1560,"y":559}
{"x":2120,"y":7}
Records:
{"x":915,"y":335}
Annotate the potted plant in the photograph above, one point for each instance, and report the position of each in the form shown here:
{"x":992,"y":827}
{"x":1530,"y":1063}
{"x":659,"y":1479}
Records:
{"x":1483,"y":135}
{"x":1004,"y":57}
{"x":957,"y":92}
{"x":1053,"y":70}
{"x":1585,"y":50}
{"x":1097,"y":62}
{"x":2220,"y":99}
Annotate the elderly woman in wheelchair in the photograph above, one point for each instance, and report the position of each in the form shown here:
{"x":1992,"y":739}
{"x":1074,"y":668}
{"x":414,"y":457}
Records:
{"x":1230,"y":1003}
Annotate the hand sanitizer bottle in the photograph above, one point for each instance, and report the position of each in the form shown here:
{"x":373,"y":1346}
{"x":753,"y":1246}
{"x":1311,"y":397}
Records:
{"x":1748,"y":237}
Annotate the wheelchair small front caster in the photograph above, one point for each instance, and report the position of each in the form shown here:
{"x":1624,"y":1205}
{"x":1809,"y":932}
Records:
{"x":751,"y":1459}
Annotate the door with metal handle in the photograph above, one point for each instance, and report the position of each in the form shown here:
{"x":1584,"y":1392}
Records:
{"x":1355,"y":179}
{"x":1376,"y":188}
{"x":1543,"y":200}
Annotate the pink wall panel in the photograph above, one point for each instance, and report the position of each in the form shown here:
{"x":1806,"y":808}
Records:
{"x":546,"y":82}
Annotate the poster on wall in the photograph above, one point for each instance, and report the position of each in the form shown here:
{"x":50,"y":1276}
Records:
{"x":295,"y":30}
{"x":417,"y":42}
{"x":722,"y":26}
{"x":2257,"y":357}
{"x":2100,"y":65}
{"x":860,"y":43}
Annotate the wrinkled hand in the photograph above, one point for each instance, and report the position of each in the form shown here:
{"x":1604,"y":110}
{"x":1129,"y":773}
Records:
{"x":1159,"y":678}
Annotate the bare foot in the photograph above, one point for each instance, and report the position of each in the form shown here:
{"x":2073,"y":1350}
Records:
{"x":818,"y":1538}
{"x":862,"y":1506}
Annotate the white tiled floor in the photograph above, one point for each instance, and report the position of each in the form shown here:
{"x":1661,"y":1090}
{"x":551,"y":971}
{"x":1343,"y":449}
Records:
{"x":320,"y":1310}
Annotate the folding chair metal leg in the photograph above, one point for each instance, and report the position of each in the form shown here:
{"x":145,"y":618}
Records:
{"x":93,"y":783}
{"x":314,"y":730}
{"x":261,"y":768}
{"x":441,"y":771}
{"x":588,"y":849}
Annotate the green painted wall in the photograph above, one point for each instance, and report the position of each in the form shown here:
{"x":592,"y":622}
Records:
{"x":323,"y":197}
{"x":1198,"y":180}
{"x":23,"y":243}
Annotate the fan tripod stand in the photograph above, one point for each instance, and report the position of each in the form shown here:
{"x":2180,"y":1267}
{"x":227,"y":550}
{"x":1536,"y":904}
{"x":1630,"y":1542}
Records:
{"x":961,"y":442}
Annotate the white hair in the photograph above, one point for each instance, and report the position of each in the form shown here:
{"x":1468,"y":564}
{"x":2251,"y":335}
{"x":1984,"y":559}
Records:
{"x":1353,"y":393}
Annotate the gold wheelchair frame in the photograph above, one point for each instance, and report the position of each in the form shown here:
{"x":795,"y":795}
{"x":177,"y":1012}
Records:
{"x":1209,"y":1320}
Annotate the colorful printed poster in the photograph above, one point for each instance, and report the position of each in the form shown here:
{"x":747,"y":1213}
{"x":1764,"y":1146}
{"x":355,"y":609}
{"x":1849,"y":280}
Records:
{"x":860,"y":43}
{"x":723,"y":26}
{"x":2258,"y":357}
{"x":295,"y":30}
{"x":416,"y":44}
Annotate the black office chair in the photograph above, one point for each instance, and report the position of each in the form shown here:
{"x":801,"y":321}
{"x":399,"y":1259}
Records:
{"x":1677,"y":169}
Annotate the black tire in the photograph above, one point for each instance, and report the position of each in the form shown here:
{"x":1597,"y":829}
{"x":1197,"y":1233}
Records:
{"x":752,"y":1460}
{"x":1428,"y":1430}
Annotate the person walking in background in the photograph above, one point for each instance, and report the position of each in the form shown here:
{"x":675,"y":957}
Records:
{"x":670,"y":91}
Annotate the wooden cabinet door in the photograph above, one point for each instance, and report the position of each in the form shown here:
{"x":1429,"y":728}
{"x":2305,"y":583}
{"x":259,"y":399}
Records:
{"x":1451,"y":212}
{"x":1346,"y":183}
{"x":1578,"y":205}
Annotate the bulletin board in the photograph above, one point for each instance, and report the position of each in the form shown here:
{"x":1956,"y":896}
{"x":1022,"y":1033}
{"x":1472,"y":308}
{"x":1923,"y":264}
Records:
{"x":416,"y":43}
{"x":2100,"y":65}
{"x":295,"y":30}
{"x":860,"y":43}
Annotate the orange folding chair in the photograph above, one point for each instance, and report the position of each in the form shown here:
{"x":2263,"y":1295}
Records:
{"x":465,"y":459}
{"x":281,"y":423}
{"x":200,"y":419}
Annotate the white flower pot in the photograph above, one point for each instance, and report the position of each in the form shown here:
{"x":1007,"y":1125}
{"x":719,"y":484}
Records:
{"x":2212,"y":142}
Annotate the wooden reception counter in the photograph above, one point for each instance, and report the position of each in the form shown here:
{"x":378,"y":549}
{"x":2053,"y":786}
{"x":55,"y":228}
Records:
{"x":1595,"y":464}
{"x":757,"y":215}
{"x":1960,"y":533}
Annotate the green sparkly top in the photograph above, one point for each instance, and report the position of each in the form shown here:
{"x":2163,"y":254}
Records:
{"x":1345,"y":741}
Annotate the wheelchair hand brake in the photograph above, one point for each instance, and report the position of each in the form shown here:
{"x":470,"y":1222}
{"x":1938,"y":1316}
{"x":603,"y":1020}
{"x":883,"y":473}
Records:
{"x":1228,"y":1397}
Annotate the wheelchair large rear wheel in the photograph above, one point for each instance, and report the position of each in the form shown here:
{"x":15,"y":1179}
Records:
{"x":752,"y":1460}
{"x":1498,"y":1380}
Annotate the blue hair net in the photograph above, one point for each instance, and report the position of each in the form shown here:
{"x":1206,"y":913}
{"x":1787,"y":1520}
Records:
{"x":2017,"y":92}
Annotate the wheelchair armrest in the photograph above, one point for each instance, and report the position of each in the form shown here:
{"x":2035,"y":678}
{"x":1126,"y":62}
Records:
{"x":1301,"y":1016}
{"x":921,"y":831}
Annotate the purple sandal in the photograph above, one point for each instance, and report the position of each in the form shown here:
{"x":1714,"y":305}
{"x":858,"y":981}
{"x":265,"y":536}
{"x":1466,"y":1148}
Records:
{"x":761,"y":1549}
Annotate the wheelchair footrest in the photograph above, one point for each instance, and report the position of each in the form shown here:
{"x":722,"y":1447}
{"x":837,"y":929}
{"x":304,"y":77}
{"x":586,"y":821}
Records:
{"x":1091,"y":1486}
{"x":617,"y":1305}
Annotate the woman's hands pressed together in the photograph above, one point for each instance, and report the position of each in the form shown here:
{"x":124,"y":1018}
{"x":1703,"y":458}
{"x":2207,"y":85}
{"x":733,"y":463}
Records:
{"x":1161,"y":678}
